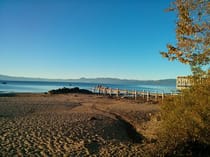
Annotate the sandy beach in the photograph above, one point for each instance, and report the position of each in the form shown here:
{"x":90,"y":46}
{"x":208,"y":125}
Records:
{"x":76,"y":125}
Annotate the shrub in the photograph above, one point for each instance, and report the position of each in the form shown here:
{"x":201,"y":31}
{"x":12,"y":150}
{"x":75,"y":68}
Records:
{"x":185,"y":124}
{"x":70,"y":90}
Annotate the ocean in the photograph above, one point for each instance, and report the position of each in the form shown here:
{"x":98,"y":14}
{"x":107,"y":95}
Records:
{"x":42,"y":86}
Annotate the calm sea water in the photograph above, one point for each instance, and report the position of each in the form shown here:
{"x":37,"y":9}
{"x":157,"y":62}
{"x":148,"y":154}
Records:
{"x":41,"y":87}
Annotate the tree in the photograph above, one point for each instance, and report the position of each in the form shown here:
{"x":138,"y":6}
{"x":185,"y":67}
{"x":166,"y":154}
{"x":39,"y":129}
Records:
{"x":185,"y":128}
{"x":192,"y":34}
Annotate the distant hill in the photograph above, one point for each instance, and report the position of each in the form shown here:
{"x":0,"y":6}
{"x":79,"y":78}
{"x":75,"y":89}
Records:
{"x":126,"y":81}
{"x":14,"y":78}
{"x":94,"y":80}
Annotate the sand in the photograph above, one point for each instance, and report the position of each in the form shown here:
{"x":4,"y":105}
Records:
{"x":76,"y":125}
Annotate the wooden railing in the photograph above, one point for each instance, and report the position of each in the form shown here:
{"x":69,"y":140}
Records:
{"x":147,"y":95}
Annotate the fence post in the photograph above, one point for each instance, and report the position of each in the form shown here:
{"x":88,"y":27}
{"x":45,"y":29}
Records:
{"x":99,"y":90}
{"x":110,"y":92}
{"x":135,"y":94}
{"x":156,"y":96}
{"x":162,"y":96}
{"x":147,"y":96}
{"x":118,"y":92}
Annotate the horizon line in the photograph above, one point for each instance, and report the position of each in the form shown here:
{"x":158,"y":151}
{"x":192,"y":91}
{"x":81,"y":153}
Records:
{"x":28,"y":77}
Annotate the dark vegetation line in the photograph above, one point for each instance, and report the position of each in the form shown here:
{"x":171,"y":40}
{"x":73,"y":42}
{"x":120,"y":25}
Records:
{"x":70,"y":90}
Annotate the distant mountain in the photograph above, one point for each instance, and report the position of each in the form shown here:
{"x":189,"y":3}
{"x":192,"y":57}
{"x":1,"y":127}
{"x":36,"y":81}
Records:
{"x":125,"y":81}
{"x":94,"y":80}
{"x":14,"y":78}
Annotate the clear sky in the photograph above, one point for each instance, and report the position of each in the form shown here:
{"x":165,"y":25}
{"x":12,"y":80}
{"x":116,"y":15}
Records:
{"x":87,"y":38}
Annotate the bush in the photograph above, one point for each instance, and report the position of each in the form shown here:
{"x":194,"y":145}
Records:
{"x":185,"y":124}
{"x":69,"y":90}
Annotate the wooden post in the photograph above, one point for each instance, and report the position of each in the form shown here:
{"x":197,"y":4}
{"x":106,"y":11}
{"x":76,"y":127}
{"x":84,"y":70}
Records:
{"x":147,"y":96}
{"x":103,"y":91}
{"x":143,"y":94}
{"x":99,"y":90}
{"x":156,"y":96}
{"x":135,"y":94}
{"x":162,"y":96}
{"x":110,"y":92}
{"x":118,"y":92}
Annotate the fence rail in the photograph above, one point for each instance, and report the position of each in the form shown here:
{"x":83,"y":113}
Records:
{"x":147,"y":95}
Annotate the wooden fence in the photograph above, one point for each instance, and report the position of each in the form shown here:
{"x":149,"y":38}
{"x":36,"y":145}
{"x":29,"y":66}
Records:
{"x":147,"y":95}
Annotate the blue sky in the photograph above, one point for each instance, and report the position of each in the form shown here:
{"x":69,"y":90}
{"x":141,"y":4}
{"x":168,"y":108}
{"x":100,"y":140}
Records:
{"x":87,"y":38}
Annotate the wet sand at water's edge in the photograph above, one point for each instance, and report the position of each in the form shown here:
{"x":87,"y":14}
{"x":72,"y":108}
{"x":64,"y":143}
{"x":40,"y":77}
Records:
{"x":75,"y":125}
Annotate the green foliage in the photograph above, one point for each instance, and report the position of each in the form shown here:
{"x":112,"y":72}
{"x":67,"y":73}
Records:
{"x":186,"y":122}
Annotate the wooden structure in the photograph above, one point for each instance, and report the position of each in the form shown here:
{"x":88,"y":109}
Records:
{"x":131,"y":93}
